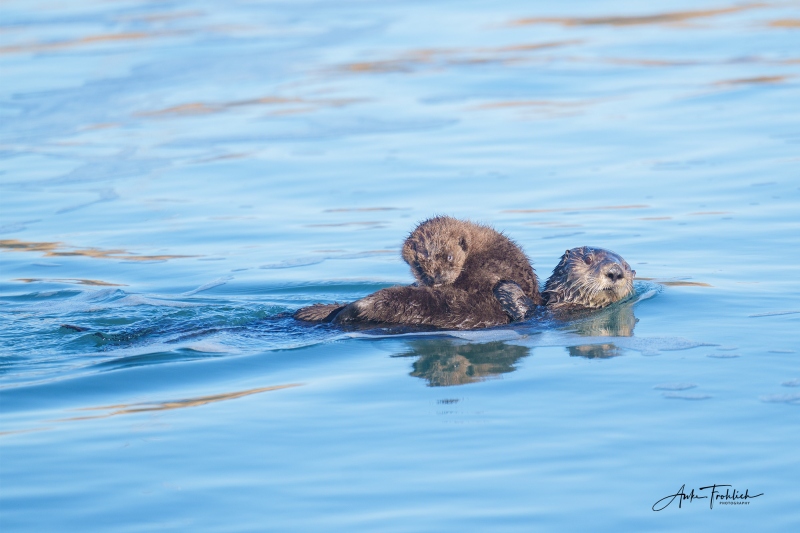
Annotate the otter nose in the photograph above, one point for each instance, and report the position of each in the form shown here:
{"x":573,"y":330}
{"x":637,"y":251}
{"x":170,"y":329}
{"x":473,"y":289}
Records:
{"x":614,"y":273}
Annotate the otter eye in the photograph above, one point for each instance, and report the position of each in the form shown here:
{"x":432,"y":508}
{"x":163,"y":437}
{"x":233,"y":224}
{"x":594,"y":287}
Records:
{"x":450,"y":258}
{"x":588,"y":259}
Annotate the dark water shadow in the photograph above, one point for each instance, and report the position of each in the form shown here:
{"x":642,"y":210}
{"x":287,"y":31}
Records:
{"x":156,"y":357}
{"x":444,"y":363}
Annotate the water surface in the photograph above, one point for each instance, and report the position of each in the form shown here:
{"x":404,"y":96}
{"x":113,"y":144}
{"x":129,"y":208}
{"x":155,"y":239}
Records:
{"x":178,"y":177}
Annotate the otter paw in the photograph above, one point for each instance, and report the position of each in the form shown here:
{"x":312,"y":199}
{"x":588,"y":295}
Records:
{"x":318,"y":312}
{"x":350,"y":313}
{"x":513,"y":300}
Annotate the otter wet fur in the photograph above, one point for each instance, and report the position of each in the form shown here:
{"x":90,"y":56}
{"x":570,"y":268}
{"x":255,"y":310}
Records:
{"x":447,"y":251}
{"x":468,"y":276}
{"x":588,"y":278}
{"x":444,"y":307}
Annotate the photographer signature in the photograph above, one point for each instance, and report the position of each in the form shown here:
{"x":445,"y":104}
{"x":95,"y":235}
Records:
{"x":729,"y":497}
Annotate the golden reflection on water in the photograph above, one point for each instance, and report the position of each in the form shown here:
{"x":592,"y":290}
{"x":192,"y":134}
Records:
{"x":785,"y":23}
{"x":577,"y":209}
{"x":160,"y":17}
{"x":83,"y":41}
{"x":754,"y":80}
{"x":348,"y":209}
{"x":537,"y":108}
{"x":676,"y":283}
{"x":660,"y":18}
{"x":302,"y":105}
{"x":684,"y":284}
{"x":144,"y":407}
{"x":57,"y":249}
{"x":530,"y":103}
{"x":642,"y":62}
{"x":365,"y":224}
{"x":442,"y":57}
{"x":101,"y":126}
{"x":76,"y":281}
{"x":554,"y":224}
{"x":21,"y":431}
{"x":223,"y":157}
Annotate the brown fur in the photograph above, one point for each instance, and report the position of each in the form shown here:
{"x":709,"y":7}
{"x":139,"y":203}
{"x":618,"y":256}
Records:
{"x":469,"y":276}
{"x":318,"y":312}
{"x":468,"y":256}
{"x":441,"y":307}
{"x":588,"y":278}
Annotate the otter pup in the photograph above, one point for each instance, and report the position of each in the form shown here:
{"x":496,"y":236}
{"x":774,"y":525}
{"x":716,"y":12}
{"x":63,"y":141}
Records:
{"x":468,"y":276}
{"x":588,"y":278}
{"x":476,"y":258}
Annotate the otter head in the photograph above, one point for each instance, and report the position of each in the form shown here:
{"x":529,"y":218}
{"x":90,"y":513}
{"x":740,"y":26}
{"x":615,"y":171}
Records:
{"x":436,"y":251}
{"x":589,"y":277}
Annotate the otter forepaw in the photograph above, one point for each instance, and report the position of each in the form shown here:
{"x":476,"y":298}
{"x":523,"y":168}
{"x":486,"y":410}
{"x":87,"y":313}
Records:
{"x":318,"y":312}
{"x":351,"y":312}
{"x":513,"y":300}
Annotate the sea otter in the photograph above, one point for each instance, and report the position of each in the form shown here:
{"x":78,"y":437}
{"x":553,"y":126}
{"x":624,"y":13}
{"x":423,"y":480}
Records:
{"x":475,"y":258}
{"x":447,"y":251}
{"x":468,"y":276}
{"x":441,"y":307}
{"x":588,"y":278}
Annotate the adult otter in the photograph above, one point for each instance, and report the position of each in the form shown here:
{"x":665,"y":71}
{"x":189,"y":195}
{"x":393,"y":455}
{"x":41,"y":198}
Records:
{"x":468,"y":276}
{"x":441,"y":307}
{"x":588,"y":278}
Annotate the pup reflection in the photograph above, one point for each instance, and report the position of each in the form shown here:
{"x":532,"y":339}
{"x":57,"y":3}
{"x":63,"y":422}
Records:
{"x":444,"y":363}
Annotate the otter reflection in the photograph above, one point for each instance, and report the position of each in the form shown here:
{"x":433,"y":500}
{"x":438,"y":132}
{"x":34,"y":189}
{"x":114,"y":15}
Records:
{"x":443,"y":362}
{"x":615,"y":321}
{"x":594,"y":351}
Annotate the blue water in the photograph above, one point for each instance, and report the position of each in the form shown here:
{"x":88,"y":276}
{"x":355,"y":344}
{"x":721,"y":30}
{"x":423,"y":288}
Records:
{"x":178,"y":177}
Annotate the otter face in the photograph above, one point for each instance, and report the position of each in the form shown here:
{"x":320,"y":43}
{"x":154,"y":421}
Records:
{"x":589,"y":277}
{"x":436,"y":257}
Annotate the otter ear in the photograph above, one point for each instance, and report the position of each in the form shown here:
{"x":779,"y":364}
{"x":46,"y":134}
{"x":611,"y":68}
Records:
{"x":566,"y":254}
{"x":462,"y":242}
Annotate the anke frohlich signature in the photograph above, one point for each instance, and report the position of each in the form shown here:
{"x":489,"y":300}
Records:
{"x":731,"y":496}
